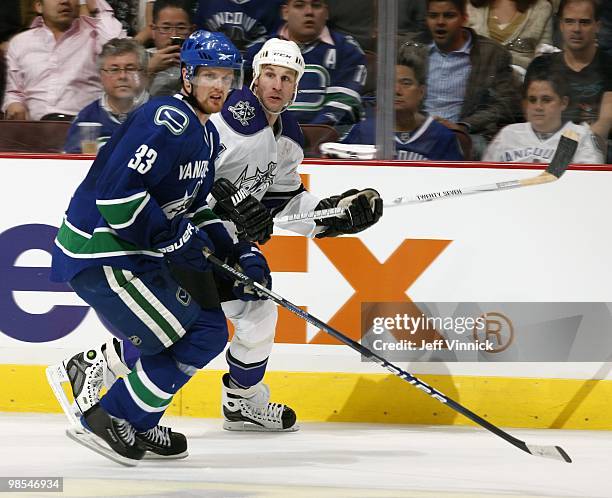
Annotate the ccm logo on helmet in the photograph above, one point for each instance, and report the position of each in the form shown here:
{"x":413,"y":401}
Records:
{"x":281,"y":54}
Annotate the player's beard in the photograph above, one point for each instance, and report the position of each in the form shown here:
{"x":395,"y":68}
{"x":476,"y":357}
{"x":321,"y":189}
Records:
{"x":210,"y":106}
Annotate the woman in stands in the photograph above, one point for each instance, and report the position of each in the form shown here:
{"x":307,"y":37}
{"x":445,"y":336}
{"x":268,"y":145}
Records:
{"x":545,"y":97}
{"x":519,"y":25}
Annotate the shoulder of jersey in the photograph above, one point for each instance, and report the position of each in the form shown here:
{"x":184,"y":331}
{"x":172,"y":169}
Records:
{"x":291,"y":128}
{"x":345,"y":42}
{"x":90,"y":111}
{"x":243,"y":113}
{"x":171,"y":113}
{"x":438,"y":128}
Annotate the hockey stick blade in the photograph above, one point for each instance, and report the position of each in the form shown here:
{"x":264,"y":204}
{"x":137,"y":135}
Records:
{"x":557,"y":167}
{"x":544,"y":451}
{"x":564,"y":154}
{"x":554,"y":452}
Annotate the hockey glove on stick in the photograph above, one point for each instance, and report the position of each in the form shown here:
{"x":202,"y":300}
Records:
{"x":183,"y":244}
{"x":251,"y":217}
{"x":363,"y":209}
{"x":252,"y":263}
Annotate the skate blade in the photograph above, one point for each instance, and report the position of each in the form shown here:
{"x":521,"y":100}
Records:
{"x":250,"y":427}
{"x":56,"y":375}
{"x":149,"y":455}
{"x":93,"y":442}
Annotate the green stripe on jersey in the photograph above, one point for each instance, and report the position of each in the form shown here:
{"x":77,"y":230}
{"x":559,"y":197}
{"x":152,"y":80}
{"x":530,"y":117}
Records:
{"x":202,"y":216}
{"x":103,"y":243}
{"x":120,"y":213}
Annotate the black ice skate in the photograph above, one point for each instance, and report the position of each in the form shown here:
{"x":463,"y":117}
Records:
{"x":109,"y":436}
{"x":162,"y":443}
{"x":250,"y":410}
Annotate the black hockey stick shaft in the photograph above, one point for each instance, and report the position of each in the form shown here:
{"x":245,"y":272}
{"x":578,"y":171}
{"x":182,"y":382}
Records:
{"x":553,"y":452}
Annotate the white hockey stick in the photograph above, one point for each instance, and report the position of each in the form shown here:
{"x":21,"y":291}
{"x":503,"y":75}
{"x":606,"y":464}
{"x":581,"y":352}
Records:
{"x":561,"y":160}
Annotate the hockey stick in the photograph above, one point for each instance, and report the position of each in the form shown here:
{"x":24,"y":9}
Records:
{"x":558,"y":165}
{"x":554,"y":452}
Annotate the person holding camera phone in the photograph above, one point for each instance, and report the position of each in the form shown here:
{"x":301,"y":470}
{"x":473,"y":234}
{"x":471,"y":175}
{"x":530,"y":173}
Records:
{"x":171,"y":25}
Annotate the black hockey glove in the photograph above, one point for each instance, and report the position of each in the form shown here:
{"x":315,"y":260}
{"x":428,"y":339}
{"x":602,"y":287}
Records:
{"x":252,"y":219}
{"x":364,"y":208}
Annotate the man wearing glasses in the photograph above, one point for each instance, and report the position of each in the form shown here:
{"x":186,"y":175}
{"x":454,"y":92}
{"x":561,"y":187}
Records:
{"x":122,"y":71}
{"x":171,"y":25}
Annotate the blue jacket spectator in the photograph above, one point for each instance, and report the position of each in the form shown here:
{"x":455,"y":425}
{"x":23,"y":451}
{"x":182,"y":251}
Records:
{"x":418,"y":137}
{"x":122,"y":64}
{"x":330,"y":90}
{"x":244,"y":22}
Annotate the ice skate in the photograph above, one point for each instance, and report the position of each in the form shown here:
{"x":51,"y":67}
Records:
{"x":84,"y":372}
{"x":250,"y":410}
{"x":109,"y":436}
{"x":162,"y":443}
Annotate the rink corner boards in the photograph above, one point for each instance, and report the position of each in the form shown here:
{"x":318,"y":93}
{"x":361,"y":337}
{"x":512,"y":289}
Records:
{"x":371,"y":398}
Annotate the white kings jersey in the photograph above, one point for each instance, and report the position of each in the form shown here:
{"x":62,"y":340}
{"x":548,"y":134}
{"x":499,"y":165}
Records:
{"x":263,"y":161}
{"x":519,"y":143}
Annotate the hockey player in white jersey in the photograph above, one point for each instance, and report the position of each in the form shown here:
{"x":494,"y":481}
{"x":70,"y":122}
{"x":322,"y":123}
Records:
{"x":261,"y":150}
{"x":546,"y":96}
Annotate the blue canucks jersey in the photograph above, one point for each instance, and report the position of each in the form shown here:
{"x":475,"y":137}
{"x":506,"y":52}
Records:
{"x":432,"y":141}
{"x":158,"y":165}
{"x":330,"y":89}
{"x":243,"y":21}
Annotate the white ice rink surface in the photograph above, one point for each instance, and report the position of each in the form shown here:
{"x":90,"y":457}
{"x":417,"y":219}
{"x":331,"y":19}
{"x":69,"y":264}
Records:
{"x":321,"y":460}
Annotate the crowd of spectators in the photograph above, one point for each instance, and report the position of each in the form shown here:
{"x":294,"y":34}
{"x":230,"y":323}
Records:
{"x":470,"y":73}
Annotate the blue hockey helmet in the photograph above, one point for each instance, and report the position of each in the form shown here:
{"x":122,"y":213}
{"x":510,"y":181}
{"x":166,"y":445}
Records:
{"x":208,"y":49}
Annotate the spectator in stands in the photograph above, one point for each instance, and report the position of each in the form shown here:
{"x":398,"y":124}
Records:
{"x":546,"y":96}
{"x":584,"y":65}
{"x":122,"y":65}
{"x":126,"y":12}
{"x":519,"y":25}
{"x":418,"y":137}
{"x":330,"y":90}
{"x":470,"y":82}
{"x":51,"y":67}
{"x":171,"y":25}
{"x":358,"y":18}
{"x":244,"y":22}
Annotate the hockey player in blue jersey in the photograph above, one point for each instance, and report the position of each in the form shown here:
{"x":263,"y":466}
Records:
{"x":141,"y":208}
{"x":261,"y":153}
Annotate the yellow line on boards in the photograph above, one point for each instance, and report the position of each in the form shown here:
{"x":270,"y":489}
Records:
{"x":351,"y":397}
